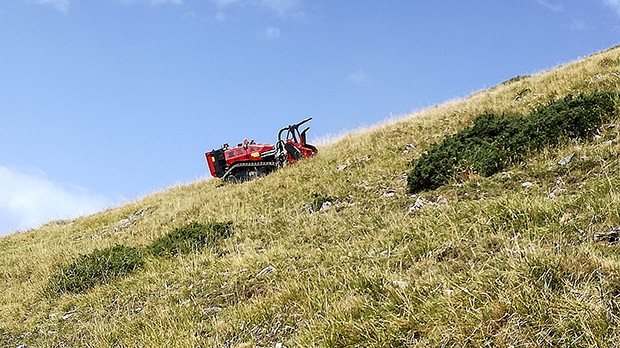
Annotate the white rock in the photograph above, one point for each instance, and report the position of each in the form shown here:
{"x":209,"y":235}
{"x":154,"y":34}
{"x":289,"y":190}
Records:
{"x":408,"y":148}
{"x":326,"y":205}
{"x":389,"y":193}
{"x":266,"y":271}
{"x":566,"y":160}
{"x":527,"y":184}
{"x":419,"y":204}
{"x":400,"y":283}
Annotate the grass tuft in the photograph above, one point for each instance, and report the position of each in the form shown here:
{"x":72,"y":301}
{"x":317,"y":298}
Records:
{"x":98,"y":267}
{"x":190,"y":238}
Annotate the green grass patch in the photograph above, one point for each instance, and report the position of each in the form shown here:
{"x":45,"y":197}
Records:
{"x":494,"y":142}
{"x":191,"y":237}
{"x":103,"y":266}
{"x":98,"y":267}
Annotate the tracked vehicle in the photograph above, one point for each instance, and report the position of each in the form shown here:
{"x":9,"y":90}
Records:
{"x":249,"y":159}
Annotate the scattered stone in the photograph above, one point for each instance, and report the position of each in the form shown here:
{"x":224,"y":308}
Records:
{"x":389,"y":193}
{"x":566,"y":160}
{"x":441,"y":200}
{"x":67,"y":316}
{"x":611,"y":237}
{"x":326,"y":205}
{"x":130,"y":220}
{"x":280,"y":345}
{"x":559,"y":181}
{"x":184,"y":302}
{"x":403,"y":177}
{"x":556,"y":191}
{"x":138,"y":310}
{"x":266,"y":270}
{"x":527,"y":184}
{"x":419,"y":204}
{"x":341,"y":167}
{"x":408,"y":148}
{"x":400,"y":283}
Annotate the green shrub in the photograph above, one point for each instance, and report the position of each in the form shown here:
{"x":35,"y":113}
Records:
{"x":191,"y":237}
{"x":318,"y":200}
{"x":494,"y":142}
{"x":569,"y":118}
{"x":98,"y":267}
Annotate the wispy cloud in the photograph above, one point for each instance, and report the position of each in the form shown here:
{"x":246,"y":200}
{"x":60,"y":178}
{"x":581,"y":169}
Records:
{"x":151,"y":2}
{"x":64,"y":5}
{"x":577,"y":24}
{"x":161,"y":2}
{"x":28,"y":200}
{"x":224,"y":3}
{"x":59,"y":5}
{"x":552,"y":5}
{"x":358,"y":77}
{"x":281,"y":8}
{"x":271,"y":33}
{"x":613,"y":4}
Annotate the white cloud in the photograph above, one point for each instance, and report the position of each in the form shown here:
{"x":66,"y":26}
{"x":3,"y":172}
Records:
{"x":224,"y":3}
{"x":221,"y":17}
{"x":281,"y":8}
{"x":162,"y":2}
{"x":578,"y":24}
{"x":358,"y":77}
{"x":272,"y":33}
{"x":63,"y":5}
{"x":29,"y":200}
{"x":551,"y":5}
{"x":151,"y":2}
{"x":613,"y":4}
{"x":60,"y":5}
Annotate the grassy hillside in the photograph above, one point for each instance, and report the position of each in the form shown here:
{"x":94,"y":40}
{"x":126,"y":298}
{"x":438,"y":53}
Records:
{"x":525,"y":257}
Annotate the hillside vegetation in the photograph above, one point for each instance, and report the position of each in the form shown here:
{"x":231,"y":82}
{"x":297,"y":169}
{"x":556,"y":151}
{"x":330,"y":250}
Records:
{"x":335,"y":251}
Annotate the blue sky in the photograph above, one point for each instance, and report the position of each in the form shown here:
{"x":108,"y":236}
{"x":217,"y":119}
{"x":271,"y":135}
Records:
{"x":105,"y":101}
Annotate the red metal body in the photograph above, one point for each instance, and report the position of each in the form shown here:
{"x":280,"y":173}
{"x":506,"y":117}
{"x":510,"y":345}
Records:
{"x":250,"y":159}
{"x":251,"y":152}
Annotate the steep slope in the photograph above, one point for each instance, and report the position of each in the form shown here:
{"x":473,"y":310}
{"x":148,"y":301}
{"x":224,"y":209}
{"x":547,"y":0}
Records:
{"x":525,"y":257}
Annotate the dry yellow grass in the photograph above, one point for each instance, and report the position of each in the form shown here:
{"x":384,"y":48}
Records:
{"x":488,"y":262}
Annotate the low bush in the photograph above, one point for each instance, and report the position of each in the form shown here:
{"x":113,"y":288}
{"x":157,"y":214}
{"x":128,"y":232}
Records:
{"x":98,"y":267}
{"x":493,"y":142}
{"x":319,"y":199}
{"x":191,"y":237}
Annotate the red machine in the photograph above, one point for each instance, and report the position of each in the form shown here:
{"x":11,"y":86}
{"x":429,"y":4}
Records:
{"x":249,"y":159}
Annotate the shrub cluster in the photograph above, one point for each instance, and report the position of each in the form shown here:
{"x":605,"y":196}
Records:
{"x":191,"y":237}
{"x":103,"y":266}
{"x":493,"y":142}
{"x":98,"y":267}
